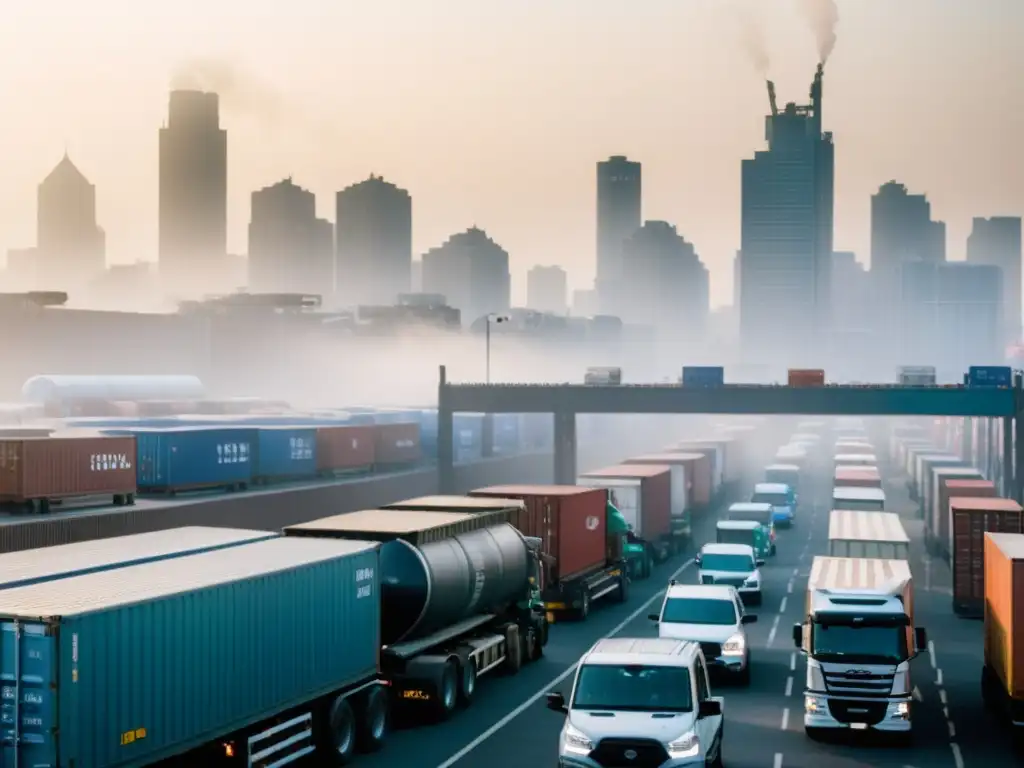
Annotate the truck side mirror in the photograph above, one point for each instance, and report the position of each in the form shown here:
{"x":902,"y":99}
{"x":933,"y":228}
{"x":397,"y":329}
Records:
{"x":709,"y":708}
{"x":748,"y":618}
{"x":556,"y":703}
{"x":654,"y":616}
{"x":760,"y":563}
{"x":921,"y":639}
{"x":798,"y":636}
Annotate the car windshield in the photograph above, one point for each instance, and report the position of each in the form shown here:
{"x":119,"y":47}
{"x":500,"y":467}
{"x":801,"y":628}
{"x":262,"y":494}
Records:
{"x":699,"y":610}
{"x":860,"y":644}
{"x":732,"y":536}
{"x":717,"y":561}
{"x":764,"y":518}
{"x":781,"y":476}
{"x":633,"y":687}
{"x":775,"y":499}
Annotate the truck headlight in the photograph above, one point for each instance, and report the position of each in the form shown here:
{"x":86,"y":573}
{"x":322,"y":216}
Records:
{"x":752,"y":582}
{"x":815,"y":679}
{"x":686,"y":745}
{"x":901,"y":683}
{"x":735,"y":645}
{"x":577,"y":741}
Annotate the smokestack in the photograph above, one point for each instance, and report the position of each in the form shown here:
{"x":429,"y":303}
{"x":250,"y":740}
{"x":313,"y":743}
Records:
{"x":816,"y":88}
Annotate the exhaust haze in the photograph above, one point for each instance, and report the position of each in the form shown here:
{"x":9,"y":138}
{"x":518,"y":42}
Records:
{"x":823,"y":18}
{"x":752,"y":37}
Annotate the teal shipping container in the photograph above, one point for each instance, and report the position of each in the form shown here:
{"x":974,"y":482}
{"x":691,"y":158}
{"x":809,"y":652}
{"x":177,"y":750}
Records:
{"x":32,"y":566}
{"x":127,"y":667}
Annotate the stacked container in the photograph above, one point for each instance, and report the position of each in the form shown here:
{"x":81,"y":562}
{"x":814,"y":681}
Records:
{"x":940,"y":536}
{"x":1002,"y":680}
{"x":972,"y":519}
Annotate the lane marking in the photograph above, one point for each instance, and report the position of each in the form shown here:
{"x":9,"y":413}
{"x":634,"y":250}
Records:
{"x":931,"y":653}
{"x":789,"y":588}
{"x":792,"y":662}
{"x":945,"y":712}
{"x":540,"y":694}
{"x":938,"y":677}
{"x":771,"y":633}
{"x":952,"y":730}
{"x":782,"y":605}
{"x":785,"y":719}
{"x":789,"y":686}
{"x":777,"y":762}
{"x":942,"y":696}
{"x":958,"y":758}
{"x":796,"y":572}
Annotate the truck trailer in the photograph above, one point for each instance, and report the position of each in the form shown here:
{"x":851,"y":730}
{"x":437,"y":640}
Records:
{"x":643,"y":494}
{"x":680,"y":465}
{"x":859,"y":637}
{"x":1002,"y":677}
{"x":874,"y":535}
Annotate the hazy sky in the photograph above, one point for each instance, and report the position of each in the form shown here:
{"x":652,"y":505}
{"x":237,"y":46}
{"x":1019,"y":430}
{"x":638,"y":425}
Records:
{"x":494,"y":113}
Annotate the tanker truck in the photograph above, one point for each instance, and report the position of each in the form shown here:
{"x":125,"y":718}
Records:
{"x":460,"y":598}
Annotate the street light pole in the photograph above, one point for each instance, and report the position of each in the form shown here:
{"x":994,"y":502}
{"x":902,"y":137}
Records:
{"x":491,"y":318}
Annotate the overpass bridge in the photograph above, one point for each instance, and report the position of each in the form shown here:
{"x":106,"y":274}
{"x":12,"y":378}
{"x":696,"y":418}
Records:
{"x":565,"y":401}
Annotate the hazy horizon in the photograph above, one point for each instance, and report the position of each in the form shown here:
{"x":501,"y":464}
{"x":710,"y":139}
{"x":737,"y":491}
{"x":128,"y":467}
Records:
{"x":454,"y":101}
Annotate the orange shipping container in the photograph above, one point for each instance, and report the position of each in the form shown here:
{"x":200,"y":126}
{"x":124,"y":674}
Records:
{"x":806,"y":377}
{"x":397,"y":444}
{"x":345,"y":447}
{"x":51,"y":468}
{"x":972,"y":519}
{"x":1004,"y":611}
{"x":857,"y":477}
{"x":938,"y":525}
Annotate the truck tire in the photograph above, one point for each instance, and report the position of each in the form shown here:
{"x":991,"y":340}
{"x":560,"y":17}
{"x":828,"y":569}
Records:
{"x":339,"y":736}
{"x":513,"y":649}
{"x":447,"y":690}
{"x":622,"y":593}
{"x":467,"y":681}
{"x":540,"y":640}
{"x":374,"y":719}
{"x":584,"y":610}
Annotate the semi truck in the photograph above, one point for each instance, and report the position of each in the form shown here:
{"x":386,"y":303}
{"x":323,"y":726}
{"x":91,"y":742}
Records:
{"x":874,"y":535}
{"x":680,"y":465}
{"x":859,"y":637}
{"x":1002,"y":678}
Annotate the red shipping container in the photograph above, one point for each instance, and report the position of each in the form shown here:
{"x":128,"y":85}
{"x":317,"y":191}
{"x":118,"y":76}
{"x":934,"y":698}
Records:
{"x":940,"y":529}
{"x":972,"y":519}
{"x":51,"y":468}
{"x":680,"y":459}
{"x":397,"y":444}
{"x":345,"y":447}
{"x":851,"y":477}
{"x":1004,"y":611}
{"x":568,"y":519}
{"x":655,"y":494}
{"x":806,"y":377}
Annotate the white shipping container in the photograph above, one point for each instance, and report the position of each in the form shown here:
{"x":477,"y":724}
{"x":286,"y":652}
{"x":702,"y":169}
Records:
{"x":889,"y":577}
{"x":624,"y":494}
{"x":875,"y":535}
{"x":917,"y":376}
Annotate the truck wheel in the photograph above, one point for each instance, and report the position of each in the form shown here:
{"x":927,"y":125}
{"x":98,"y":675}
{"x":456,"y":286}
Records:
{"x":584,"y":610}
{"x":447,"y":691}
{"x":340,"y":736}
{"x":513,"y":650}
{"x":530,"y":644}
{"x":539,"y":640}
{"x":622,"y":594}
{"x":467,"y":683}
{"x":374,"y":720}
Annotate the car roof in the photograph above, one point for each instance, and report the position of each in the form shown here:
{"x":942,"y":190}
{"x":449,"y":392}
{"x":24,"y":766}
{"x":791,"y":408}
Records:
{"x":771,"y":488}
{"x":702,"y":591}
{"x":750,"y":506}
{"x":650,"y":651}
{"x":737,"y":525}
{"x":727,"y":549}
{"x":840,"y":458}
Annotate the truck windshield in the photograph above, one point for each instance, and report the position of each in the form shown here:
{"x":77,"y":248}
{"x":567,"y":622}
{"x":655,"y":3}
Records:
{"x":733,"y":563}
{"x":731,"y":536}
{"x":775,"y":499}
{"x":861,"y":644}
{"x":699,"y":610}
{"x":633,"y":687}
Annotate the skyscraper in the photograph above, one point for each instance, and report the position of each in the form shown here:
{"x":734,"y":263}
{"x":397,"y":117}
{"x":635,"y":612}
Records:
{"x":902,"y":230}
{"x":290,"y":249}
{"x":71,"y":247}
{"x":193,"y":192}
{"x":997,"y":241}
{"x":373,"y":242}
{"x":547,"y":290}
{"x":619,"y":211}
{"x":851,"y":308}
{"x":471,"y":271}
{"x":786,"y":236}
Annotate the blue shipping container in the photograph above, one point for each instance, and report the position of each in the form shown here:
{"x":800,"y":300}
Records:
{"x":428,"y":433}
{"x":468,"y":436}
{"x":32,"y":566}
{"x":506,"y":434}
{"x":285,"y":452}
{"x":703,"y":376}
{"x":127,"y":667}
{"x":990,"y":376}
{"x":192,"y":457}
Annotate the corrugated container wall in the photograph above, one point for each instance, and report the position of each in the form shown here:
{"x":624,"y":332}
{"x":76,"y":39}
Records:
{"x":679,"y":478}
{"x":930,"y":489}
{"x":283,"y":452}
{"x":972,"y":519}
{"x":55,"y":467}
{"x":1004,"y":610}
{"x":715,"y":455}
{"x":144,"y":663}
{"x":181,"y":459}
{"x":345,"y":448}
{"x":937,"y":485}
{"x":942,"y":540}
{"x":698,"y":472}
{"x":656,"y":490}
{"x":397,"y":444}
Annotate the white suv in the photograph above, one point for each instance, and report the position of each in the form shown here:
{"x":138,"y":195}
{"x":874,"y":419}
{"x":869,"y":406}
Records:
{"x":713,"y":616}
{"x":640,"y":701}
{"x":733,"y":565}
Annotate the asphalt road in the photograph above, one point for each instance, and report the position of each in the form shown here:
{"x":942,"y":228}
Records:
{"x":508,"y":725}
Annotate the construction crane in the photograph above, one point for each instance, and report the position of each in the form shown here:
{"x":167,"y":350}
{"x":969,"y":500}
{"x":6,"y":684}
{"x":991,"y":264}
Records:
{"x":771,"y":98}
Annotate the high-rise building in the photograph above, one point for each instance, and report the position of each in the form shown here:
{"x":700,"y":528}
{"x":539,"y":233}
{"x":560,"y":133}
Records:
{"x":290,"y":249}
{"x":585,"y":302}
{"x":193,"y":193}
{"x":667,"y":286}
{"x":997,"y":241}
{"x":547,"y":290}
{"x":472,"y":272}
{"x":902,"y":230}
{"x":373,"y":243}
{"x":71,"y":247}
{"x":416,"y":282}
{"x":852,"y":308}
{"x":619,"y":215}
{"x":951,"y":316}
{"x":786,"y":236}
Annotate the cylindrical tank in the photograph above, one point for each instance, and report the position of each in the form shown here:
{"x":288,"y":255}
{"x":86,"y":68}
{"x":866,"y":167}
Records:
{"x":427,"y":588}
{"x":50,"y":388}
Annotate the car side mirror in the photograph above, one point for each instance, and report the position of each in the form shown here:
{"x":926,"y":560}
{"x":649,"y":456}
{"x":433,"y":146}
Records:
{"x":760,"y":563}
{"x":709,"y":708}
{"x":921,"y":639}
{"x":696,"y":560}
{"x":654,"y":616}
{"x":748,"y":618}
{"x":556,"y":703}
{"x":798,"y":635}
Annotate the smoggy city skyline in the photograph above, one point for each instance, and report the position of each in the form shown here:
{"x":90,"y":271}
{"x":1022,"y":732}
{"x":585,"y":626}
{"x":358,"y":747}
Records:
{"x":923,"y":92}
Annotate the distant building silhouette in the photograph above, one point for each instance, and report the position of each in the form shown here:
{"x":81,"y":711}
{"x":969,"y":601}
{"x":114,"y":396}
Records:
{"x":619,"y":215}
{"x":852,"y":308}
{"x":193,"y":193}
{"x":585,"y":302}
{"x":737,"y":282}
{"x":21,"y":272}
{"x":786,"y":236}
{"x":373,"y":242}
{"x":290,"y":249}
{"x":997,"y":241}
{"x":71,"y":247}
{"x":472,"y":271}
{"x":547,"y":290}
{"x":416,"y":283}
{"x":667,"y":286}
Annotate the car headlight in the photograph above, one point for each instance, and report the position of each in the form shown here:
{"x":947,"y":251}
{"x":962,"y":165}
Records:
{"x":686,"y":745}
{"x":752,"y":581}
{"x":577,"y":741}
{"x":735,"y":645}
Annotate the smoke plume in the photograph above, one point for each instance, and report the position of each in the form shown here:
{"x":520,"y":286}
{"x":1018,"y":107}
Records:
{"x":823,"y":18}
{"x":752,"y":39}
{"x":239,"y":91}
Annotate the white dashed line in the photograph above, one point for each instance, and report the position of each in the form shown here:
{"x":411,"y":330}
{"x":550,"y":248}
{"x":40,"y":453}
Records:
{"x":789,"y":588}
{"x":931,"y":654}
{"x":952,"y":730}
{"x":772,"y":631}
{"x":945,"y":712}
{"x":796,"y":572}
{"x":777,"y":762}
{"x":938,"y":677}
{"x":785,"y":719}
{"x":957,"y":757}
{"x":792,"y":662}
{"x":789,"y":686}
{"x":782,"y":605}
{"x":942,"y":697}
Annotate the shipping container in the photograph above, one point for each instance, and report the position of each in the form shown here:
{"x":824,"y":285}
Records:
{"x":972,"y":518}
{"x":699,"y":477}
{"x":917,"y":376}
{"x":32,"y":566}
{"x":284,"y":452}
{"x":40,"y":470}
{"x":930,"y":498}
{"x":603,"y":376}
{"x":703,"y":376}
{"x":854,"y":447}
{"x":806,"y":377}
{"x":856,"y":477}
{"x":990,"y":376}
{"x":468,"y":436}
{"x":857,"y":460}
{"x":397,"y":445}
{"x":194,"y":458}
{"x":874,"y":535}
{"x":861,"y":573}
{"x":345,"y":448}
{"x":191,"y":631}
{"x":940,"y":538}
{"x":679,"y":479}
{"x":732,"y":467}
{"x":1002,"y":681}
{"x":858,"y":499}
{"x":656,"y":505}
{"x":922,"y":461}
{"x":714,"y":455}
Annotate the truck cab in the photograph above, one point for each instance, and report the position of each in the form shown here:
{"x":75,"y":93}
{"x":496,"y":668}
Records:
{"x":783,"y":473}
{"x":758,"y":512}
{"x":748,"y":532}
{"x":781,"y":497}
{"x":858,"y":499}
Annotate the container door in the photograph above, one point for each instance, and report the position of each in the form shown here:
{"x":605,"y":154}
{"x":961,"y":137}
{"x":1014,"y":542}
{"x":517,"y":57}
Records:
{"x":678,"y":489}
{"x":28,"y":670}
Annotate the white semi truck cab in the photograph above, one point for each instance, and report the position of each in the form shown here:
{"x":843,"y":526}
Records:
{"x":859,"y":638}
